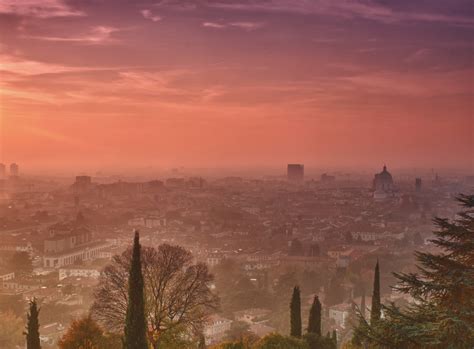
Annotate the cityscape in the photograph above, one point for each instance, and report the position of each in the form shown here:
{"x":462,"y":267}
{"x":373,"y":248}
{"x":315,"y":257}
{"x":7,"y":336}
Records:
{"x":236,"y":174}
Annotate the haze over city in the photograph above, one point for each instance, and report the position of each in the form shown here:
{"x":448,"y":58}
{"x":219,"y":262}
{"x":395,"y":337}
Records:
{"x":236,"y":174}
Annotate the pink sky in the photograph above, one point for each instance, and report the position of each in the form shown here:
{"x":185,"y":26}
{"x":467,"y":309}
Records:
{"x":231,"y":83}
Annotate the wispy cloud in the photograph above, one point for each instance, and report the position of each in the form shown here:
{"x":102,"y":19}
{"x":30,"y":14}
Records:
{"x":17,"y":66}
{"x":38,"y":8}
{"x":341,"y":8}
{"x":247,"y":26}
{"x":97,"y":35}
{"x":147,"y":14}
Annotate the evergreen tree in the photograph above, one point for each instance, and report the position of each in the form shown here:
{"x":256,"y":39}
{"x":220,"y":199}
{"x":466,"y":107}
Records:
{"x":334,"y":338}
{"x":314,"y":322}
{"x":443,"y":312}
{"x":135,"y":323}
{"x":376,"y":305}
{"x":295,"y":313}
{"x":362,"y":304}
{"x":32,"y":327}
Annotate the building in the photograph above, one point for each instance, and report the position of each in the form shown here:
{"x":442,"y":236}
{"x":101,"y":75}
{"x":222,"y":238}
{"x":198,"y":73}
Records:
{"x":82,"y":184}
{"x":418,"y":184}
{"x":216,"y":328}
{"x":78,"y":272}
{"x":325,"y":178}
{"x":340,"y":314}
{"x":383,"y":185}
{"x":14,"y":170}
{"x":295,"y":172}
{"x":77,"y":255}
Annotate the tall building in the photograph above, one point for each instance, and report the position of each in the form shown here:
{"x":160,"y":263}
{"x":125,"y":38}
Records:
{"x":383,"y":185}
{"x":295,"y":172}
{"x":418,"y":184}
{"x":3,"y":171}
{"x":14,"y":170}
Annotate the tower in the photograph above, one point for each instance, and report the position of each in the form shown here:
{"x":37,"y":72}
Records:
{"x":14,"y":170}
{"x":295,"y":172}
{"x":418,"y":184}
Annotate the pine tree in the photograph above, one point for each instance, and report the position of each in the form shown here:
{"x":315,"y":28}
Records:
{"x":135,"y":323}
{"x":314,"y":322}
{"x":376,"y":305}
{"x":443,"y":312}
{"x":295,"y":313}
{"x":32,"y":327}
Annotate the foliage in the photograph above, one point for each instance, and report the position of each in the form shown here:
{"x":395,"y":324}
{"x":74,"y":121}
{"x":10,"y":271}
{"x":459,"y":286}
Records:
{"x":135,"y":321}
{"x":315,"y":341}
{"x":85,"y":333}
{"x":177,"y":292}
{"x":375,"y":311}
{"x":32,"y":327}
{"x":314,"y":322}
{"x":335,"y":292}
{"x":245,"y":342}
{"x":11,"y":330}
{"x":295,"y":313}
{"x":21,"y":263}
{"x":277,"y":341}
{"x":443,"y":289}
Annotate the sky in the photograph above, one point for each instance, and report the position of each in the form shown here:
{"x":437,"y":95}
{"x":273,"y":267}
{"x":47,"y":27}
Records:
{"x":219,"y":83}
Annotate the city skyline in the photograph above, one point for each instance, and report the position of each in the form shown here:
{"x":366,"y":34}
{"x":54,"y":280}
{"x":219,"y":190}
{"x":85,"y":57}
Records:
{"x":257,"y":83}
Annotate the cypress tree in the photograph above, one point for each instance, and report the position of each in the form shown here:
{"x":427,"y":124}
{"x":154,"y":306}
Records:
{"x":32,"y":327}
{"x":135,"y":323}
{"x":362,"y":304}
{"x":376,"y":306}
{"x":295,"y":313}
{"x":334,"y":338}
{"x":314,"y":322}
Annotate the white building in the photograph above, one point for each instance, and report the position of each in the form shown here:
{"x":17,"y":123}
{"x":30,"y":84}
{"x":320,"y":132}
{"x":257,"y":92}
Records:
{"x":216,"y":328}
{"x":78,"y":272}
{"x":70,"y":257}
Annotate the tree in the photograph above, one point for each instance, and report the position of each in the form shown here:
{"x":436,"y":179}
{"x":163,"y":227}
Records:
{"x":443,"y":289}
{"x":135,"y":321}
{"x":314,"y":322}
{"x":177,"y":292}
{"x":11,"y":327}
{"x":21,"y":263}
{"x":277,"y":341}
{"x":32,"y":327}
{"x":315,"y":341}
{"x":335,"y":291}
{"x":334,"y":338}
{"x":295,"y":313}
{"x":85,"y":333}
{"x":375,"y":311}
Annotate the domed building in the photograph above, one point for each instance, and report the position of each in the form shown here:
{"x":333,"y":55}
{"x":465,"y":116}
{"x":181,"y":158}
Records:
{"x":383,"y":185}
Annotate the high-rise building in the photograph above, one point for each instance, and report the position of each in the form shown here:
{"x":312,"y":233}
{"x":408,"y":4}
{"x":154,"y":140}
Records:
{"x":295,"y":172}
{"x":14,"y":170}
{"x":418,"y":184}
{"x":3,"y":171}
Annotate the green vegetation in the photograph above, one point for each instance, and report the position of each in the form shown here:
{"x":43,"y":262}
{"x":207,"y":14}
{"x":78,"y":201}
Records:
{"x":32,"y":327}
{"x":295,"y":313}
{"x":135,"y":323}
{"x":443,"y":314}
